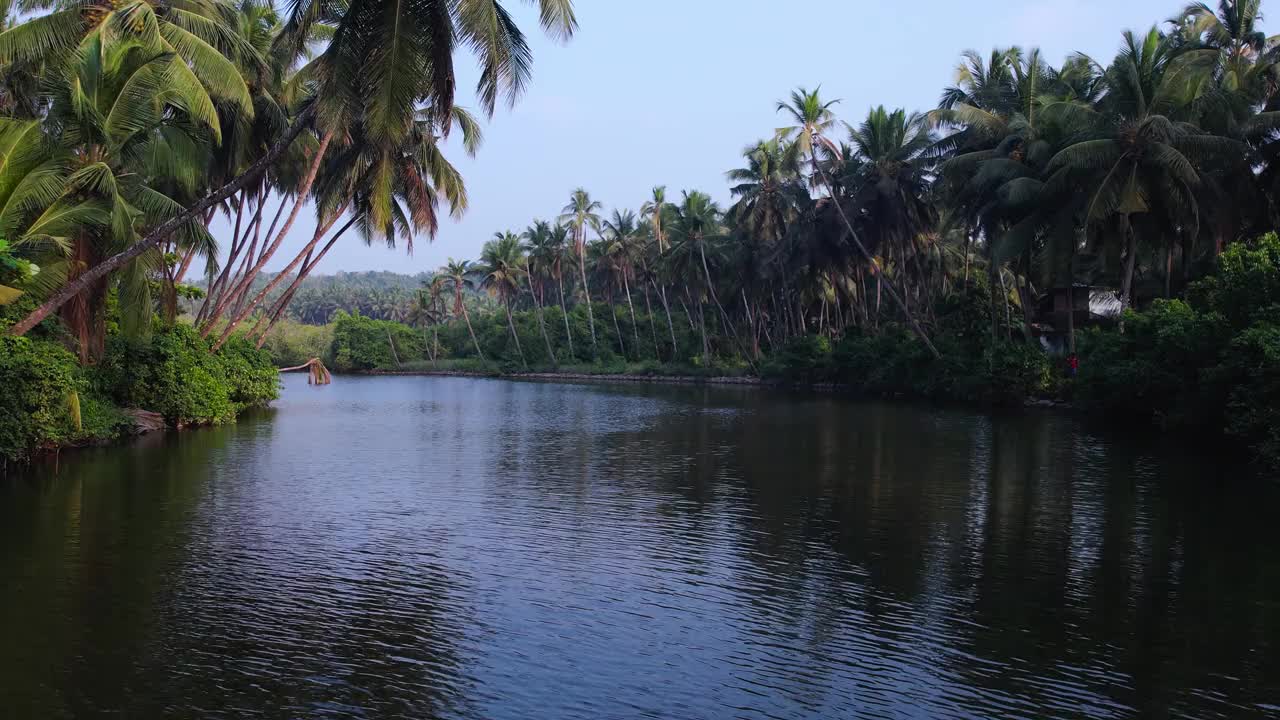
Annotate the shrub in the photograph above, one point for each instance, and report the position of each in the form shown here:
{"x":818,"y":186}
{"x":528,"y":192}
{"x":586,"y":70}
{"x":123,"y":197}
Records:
{"x":361,"y":343}
{"x":173,"y":373}
{"x":38,"y":380}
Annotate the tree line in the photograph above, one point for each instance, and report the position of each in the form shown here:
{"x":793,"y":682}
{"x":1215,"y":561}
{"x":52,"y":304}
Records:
{"x":1027,"y":179}
{"x":127,"y":127}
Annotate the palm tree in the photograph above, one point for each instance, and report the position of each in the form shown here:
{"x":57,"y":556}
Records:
{"x":695,"y":224}
{"x":384,"y":61}
{"x":504,"y":270}
{"x":655,"y":209}
{"x":620,"y":234}
{"x":888,"y":179}
{"x":112,"y":152}
{"x":544,"y":254}
{"x":457,"y":274}
{"x":580,"y":214}
{"x":1135,"y":160}
{"x":813,"y":120}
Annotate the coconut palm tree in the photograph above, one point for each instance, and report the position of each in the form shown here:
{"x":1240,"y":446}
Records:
{"x":580,"y":214}
{"x":504,"y":270}
{"x":813,"y":120}
{"x":544,"y":254}
{"x":457,"y":274}
{"x":383,"y":63}
{"x":654,"y":209}
{"x":620,"y":234}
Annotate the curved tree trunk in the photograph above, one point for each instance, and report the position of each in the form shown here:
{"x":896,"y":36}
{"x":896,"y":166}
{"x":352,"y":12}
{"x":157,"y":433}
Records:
{"x":542,"y":325}
{"x":163,"y":231}
{"x":511,"y":324}
{"x":467,"y":316}
{"x":293,"y":287}
{"x":564,"y":310}
{"x":246,"y":282}
{"x":671,"y":327}
{"x":635,"y":331}
{"x":653,"y":326}
{"x":262,"y":295}
{"x":622,"y":345}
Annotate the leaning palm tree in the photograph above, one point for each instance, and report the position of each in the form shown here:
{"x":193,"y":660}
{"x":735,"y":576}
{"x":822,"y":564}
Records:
{"x":504,"y":271}
{"x":544,"y":256}
{"x":621,"y":234}
{"x":457,"y":274}
{"x":384,"y":61}
{"x":654,"y":209}
{"x":580,"y":214}
{"x":813,"y":120}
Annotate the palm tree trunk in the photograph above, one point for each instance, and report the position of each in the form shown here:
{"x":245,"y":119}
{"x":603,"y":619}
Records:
{"x":247,"y":281}
{"x":467,"y":316}
{"x":635,"y":331}
{"x":564,"y":310}
{"x":653,"y":326}
{"x":586,"y":290}
{"x":671,"y":327}
{"x":392,"y":343}
{"x":287,"y":297}
{"x":237,"y":244}
{"x":511,"y":323}
{"x":435,"y":346}
{"x":239,"y":317}
{"x":893,"y":293}
{"x":542,"y":324}
{"x":622,"y":345}
{"x":1130,"y":262}
{"x":702,"y":325}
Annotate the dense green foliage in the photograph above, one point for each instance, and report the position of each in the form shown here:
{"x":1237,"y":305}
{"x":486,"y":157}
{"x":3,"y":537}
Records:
{"x":1210,"y":363}
{"x":361,"y":343}
{"x":173,"y":373}
{"x":42,"y":384}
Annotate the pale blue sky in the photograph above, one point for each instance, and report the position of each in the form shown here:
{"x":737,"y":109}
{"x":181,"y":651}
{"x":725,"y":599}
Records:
{"x":670,"y":91}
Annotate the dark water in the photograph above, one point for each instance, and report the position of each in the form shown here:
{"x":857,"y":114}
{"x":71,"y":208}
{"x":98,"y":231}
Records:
{"x":419,"y":548}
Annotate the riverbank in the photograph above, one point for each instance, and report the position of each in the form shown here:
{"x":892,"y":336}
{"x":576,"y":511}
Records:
{"x":167,"y":379}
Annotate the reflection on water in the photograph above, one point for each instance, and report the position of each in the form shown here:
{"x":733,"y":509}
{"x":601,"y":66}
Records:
{"x":430,"y":547}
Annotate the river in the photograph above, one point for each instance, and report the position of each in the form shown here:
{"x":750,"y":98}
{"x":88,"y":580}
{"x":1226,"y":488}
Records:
{"x":468,"y":548}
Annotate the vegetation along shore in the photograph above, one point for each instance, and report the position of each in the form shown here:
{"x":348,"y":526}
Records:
{"x":1089,"y":231}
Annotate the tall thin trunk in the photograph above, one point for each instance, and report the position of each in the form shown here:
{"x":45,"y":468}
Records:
{"x":564,"y":310}
{"x":435,"y":345}
{"x":1130,"y":262}
{"x":653,"y":326}
{"x":511,"y":323}
{"x":635,"y":331}
{"x":542,"y":324}
{"x":702,"y":325}
{"x":751,"y":322}
{"x":1168,"y":270}
{"x":1004,"y":300}
{"x":586,"y":289}
{"x":467,"y":316}
{"x":392,"y":343}
{"x":666,"y":307}
{"x":622,"y":345}
{"x":246,"y":282}
{"x":287,"y":297}
{"x":239,"y":317}
{"x":237,"y":244}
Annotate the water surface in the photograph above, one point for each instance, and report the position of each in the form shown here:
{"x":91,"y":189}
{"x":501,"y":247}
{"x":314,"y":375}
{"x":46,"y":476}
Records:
{"x":457,"y":548}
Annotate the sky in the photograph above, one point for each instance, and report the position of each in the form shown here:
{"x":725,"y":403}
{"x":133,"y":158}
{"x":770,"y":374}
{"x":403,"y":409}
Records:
{"x":669,"y":92}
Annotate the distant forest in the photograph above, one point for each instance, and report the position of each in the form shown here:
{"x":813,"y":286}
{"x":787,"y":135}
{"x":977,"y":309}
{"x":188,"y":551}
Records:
{"x":379,"y":294}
